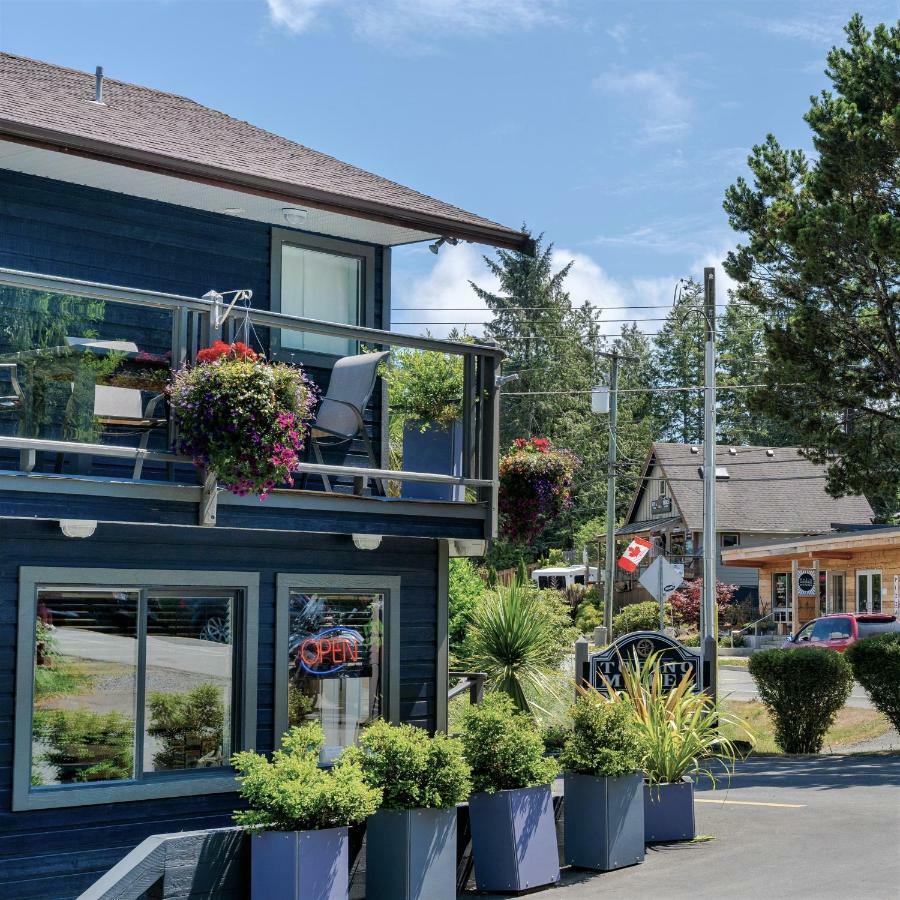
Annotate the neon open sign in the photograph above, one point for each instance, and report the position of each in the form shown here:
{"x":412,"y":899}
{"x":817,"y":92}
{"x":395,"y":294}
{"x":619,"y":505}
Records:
{"x":329,"y":651}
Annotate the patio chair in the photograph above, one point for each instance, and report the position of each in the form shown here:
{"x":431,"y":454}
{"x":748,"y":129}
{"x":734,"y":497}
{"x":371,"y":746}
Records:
{"x":339,"y":420}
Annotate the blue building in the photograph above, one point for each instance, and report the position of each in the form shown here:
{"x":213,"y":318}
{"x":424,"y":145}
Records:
{"x":151,"y":623}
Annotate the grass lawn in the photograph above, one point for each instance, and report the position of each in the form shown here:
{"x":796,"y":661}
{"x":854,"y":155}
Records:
{"x":851,"y":726}
{"x":736,"y":662}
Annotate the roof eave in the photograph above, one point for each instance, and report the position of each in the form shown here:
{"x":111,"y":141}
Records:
{"x":158,"y":163}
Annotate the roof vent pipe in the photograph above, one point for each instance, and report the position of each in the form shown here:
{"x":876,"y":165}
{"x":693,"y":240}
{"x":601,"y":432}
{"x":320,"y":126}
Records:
{"x":98,"y":85}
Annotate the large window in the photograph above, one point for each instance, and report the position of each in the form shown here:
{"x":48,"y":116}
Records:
{"x":319,"y":278}
{"x":129,"y":686}
{"x":337,"y":659}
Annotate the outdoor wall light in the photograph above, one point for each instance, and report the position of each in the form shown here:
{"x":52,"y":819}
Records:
{"x":78,"y":528}
{"x":233,"y":210}
{"x":436,"y":246}
{"x":293,"y":215}
{"x":695,"y":450}
{"x":367,"y":541}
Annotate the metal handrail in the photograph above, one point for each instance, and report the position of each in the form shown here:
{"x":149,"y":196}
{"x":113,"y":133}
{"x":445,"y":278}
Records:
{"x":473,"y":682}
{"x":99,"y":291}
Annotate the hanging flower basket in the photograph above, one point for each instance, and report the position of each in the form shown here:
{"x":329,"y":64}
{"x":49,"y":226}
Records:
{"x":535,"y":487}
{"x":241,"y":417}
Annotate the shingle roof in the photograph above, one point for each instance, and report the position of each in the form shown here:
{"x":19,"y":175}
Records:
{"x":49,"y":103}
{"x":782,"y":493}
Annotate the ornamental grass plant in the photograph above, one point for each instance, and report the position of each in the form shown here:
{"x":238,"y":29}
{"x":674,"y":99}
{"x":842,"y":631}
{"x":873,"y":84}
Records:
{"x":242,"y":417}
{"x":293,"y":793}
{"x":681,"y":728}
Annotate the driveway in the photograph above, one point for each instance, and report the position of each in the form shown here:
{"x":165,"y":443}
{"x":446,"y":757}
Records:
{"x":819,"y":827}
{"x":737,"y":684}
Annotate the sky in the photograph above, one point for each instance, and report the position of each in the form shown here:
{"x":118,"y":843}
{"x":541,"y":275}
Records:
{"x":612,"y":128}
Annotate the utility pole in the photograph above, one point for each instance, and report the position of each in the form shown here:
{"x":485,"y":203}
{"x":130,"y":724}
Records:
{"x":611,"y":496}
{"x":708,"y":610}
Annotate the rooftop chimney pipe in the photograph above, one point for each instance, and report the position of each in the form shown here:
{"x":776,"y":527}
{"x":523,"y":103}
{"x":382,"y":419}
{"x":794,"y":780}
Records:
{"x":98,"y":85}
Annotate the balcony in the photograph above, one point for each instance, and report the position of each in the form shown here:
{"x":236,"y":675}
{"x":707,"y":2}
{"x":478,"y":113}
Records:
{"x":85,"y":429}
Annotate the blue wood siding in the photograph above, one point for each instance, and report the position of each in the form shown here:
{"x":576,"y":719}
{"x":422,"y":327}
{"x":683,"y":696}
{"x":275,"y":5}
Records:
{"x":58,"y":853}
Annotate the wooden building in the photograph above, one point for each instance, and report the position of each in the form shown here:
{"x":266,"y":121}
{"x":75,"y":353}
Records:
{"x":152,"y":624}
{"x":839,"y":571}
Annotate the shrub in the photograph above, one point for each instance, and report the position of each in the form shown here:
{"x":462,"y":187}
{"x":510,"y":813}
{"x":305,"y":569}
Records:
{"x":680,"y":727}
{"x":688,"y":599}
{"x":588,"y":617}
{"x":803,"y":690}
{"x":555,"y":608}
{"x":465,"y":590}
{"x":241,"y":417}
{"x":189,"y":726}
{"x":605,"y":741}
{"x":876,"y":666}
{"x":425,"y":386}
{"x":535,"y":487}
{"x":292,"y":793}
{"x":87,"y":746}
{"x":412,"y":770}
{"x":639,"y":617}
{"x":504,"y":747}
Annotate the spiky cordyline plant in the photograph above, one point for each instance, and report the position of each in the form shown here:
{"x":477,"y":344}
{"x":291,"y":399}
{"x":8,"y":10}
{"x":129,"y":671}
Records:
{"x":681,"y":727}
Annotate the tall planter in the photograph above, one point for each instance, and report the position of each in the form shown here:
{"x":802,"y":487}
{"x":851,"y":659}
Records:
{"x":604,"y":821}
{"x":669,"y":811}
{"x":437,"y":449}
{"x":514,"y":839}
{"x":300,"y":865}
{"x":411,"y":855}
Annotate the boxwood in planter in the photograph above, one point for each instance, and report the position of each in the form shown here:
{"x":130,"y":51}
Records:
{"x":604,"y":787}
{"x":876,"y":666}
{"x":411,"y":840}
{"x":299,"y":815}
{"x":511,"y":811}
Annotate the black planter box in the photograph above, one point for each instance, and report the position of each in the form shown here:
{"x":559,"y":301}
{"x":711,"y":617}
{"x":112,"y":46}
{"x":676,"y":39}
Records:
{"x":669,"y":812}
{"x":604,"y":821}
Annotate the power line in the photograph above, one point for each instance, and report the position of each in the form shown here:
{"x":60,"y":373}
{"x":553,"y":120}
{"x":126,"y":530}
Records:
{"x":647,"y":390}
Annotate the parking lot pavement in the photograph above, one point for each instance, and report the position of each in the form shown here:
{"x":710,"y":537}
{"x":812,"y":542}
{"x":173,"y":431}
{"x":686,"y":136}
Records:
{"x":817,"y":827}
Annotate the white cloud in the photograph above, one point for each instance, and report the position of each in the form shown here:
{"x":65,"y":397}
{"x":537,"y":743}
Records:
{"x":655,"y":100}
{"x":682,"y":235}
{"x":399,"y":21}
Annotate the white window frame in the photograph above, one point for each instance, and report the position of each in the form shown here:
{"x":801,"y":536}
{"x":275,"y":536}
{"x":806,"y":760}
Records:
{"x":364,"y":252}
{"x":147,"y":786}
{"x":871,"y":597}
{"x":389,"y":585}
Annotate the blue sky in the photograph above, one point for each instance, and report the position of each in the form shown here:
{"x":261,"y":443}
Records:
{"x":612,"y":127}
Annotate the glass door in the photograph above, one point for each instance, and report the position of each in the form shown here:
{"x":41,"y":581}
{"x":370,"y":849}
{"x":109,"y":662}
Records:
{"x":868,"y":591}
{"x":836,"y":592}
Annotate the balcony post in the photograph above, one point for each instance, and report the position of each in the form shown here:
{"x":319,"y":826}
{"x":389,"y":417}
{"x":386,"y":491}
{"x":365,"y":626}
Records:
{"x":490,"y":440}
{"x":468,"y":417}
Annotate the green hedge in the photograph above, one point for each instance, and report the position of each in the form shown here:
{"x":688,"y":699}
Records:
{"x":876,"y":666}
{"x":803,"y":691}
{"x":639,"y":617}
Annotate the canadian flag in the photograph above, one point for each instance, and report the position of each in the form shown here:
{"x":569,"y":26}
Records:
{"x":634,"y":553}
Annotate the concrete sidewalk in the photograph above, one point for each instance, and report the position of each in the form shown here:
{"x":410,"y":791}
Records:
{"x":811,"y":827}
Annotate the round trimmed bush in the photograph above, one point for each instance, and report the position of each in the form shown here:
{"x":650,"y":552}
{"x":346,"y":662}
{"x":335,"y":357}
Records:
{"x":803,"y":691}
{"x":639,"y":617}
{"x":876,"y":666}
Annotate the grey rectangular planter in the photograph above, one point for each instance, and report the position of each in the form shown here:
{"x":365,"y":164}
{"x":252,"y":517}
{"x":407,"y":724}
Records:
{"x":669,"y":811}
{"x":300,"y":865}
{"x":514,"y":839}
{"x":437,"y":450}
{"x":604,"y":821}
{"x":411,"y":855}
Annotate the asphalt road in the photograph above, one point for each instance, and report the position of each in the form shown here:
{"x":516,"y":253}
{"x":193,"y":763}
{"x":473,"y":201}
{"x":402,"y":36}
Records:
{"x":819,"y":827}
{"x":738,"y":684}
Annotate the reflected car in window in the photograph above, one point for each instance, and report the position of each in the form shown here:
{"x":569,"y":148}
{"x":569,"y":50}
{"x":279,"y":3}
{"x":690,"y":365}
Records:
{"x":841,"y":630}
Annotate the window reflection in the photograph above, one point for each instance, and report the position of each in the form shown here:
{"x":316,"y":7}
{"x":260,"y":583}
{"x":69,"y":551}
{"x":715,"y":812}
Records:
{"x":334,"y":663}
{"x":85,"y":666}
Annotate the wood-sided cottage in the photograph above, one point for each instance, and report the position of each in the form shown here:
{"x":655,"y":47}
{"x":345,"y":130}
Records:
{"x":151,"y":624}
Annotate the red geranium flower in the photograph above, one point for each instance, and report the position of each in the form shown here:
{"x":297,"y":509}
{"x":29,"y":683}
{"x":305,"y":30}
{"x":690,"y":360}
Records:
{"x":237,"y":350}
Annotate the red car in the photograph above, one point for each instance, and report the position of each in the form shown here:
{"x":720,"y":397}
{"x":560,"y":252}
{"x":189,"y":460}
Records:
{"x":839,"y":630}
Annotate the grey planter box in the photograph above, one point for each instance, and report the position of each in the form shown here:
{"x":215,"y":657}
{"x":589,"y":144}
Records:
{"x":669,"y":811}
{"x":604,"y":821}
{"x":300,"y":865}
{"x":438,"y":450}
{"x":411,"y":855}
{"x":514,"y":839}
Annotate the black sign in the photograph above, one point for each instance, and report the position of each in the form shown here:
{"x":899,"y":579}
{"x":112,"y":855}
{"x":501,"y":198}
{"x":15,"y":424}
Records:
{"x":661,"y":505}
{"x":806,"y":582}
{"x":675,"y":659}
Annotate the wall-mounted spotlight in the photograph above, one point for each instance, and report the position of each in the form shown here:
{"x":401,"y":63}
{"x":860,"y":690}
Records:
{"x":436,"y":246}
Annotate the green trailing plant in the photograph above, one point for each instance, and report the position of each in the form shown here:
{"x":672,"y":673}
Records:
{"x":504,"y":747}
{"x":425,"y":386}
{"x":85,"y":745}
{"x":803,"y":690}
{"x":293,"y":793}
{"x":605,"y":741}
{"x":876,"y":666}
{"x":189,"y":725}
{"x":411,"y":769}
{"x":509,"y":640}
{"x":680,"y":727}
{"x":639,"y":617}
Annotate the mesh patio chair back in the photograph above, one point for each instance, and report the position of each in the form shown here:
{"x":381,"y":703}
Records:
{"x":352,"y":381}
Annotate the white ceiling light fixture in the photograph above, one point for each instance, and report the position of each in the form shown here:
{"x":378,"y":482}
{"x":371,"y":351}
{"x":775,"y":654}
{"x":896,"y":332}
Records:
{"x":78,"y":528}
{"x":294,"y":215}
{"x":233,"y":210}
{"x":367,"y":541}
